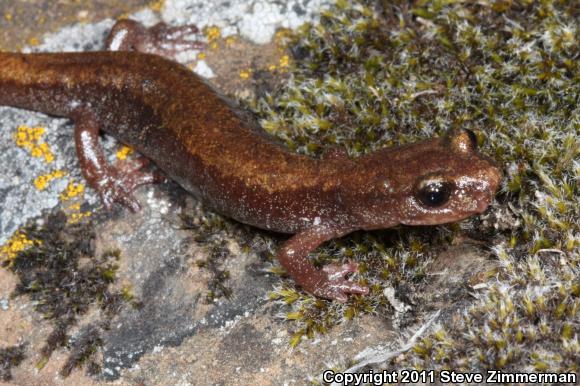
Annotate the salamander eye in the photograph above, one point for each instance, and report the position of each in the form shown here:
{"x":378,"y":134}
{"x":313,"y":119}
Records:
{"x":434,"y":193}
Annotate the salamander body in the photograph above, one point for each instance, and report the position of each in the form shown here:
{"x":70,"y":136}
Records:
{"x":202,"y":141}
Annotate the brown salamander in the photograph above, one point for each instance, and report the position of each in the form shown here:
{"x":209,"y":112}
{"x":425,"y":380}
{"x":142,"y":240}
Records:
{"x":201,"y":141}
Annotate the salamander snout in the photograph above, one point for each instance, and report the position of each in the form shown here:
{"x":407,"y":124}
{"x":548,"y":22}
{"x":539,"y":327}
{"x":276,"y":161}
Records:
{"x":457,"y":184}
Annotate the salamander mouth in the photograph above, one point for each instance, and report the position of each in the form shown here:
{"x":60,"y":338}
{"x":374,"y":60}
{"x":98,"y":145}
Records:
{"x":483,"y":203}
{"x":483,"y":187}
{"x":494,"y":177}
{"x":484,"y":197}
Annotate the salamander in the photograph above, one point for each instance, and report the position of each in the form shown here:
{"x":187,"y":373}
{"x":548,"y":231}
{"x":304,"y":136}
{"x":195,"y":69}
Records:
{"x":201,"y":140}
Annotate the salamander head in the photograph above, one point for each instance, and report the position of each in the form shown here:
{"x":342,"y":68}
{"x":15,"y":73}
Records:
{"x":436,"y":181}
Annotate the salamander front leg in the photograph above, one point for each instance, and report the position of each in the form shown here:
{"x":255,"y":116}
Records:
{"x":330,"y":282}
{"x":113,"y":184}
{"x":161,"y":39}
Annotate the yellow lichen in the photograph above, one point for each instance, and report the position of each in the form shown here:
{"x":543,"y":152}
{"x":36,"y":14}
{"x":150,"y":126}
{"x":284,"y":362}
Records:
{"x":76,"y":217}
{"x":212,"y":33}
{"x":74,"y":207}
{"x":41,"y":182}
{"x":17,"y":243}
{"x":29,"y":138}
{"x":74,"y":213}
{"x":33,"y":41}
{"x":45,"y":152}
{"x":245,"y":74}
{"x":284,"y":61}
{"x":230,"y":40}
{"x":123,"y":152}
{"x":157,"y":6}
{"x":72,"y":190}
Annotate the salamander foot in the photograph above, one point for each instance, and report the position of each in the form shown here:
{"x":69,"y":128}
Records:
{"x":161,"y":39}
{"x":337,"y":286}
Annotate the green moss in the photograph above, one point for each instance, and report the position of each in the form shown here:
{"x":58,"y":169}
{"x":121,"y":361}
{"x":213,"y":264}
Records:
{"x":379,"y":73}
{"x":83,"y":347}
{"x":63,"y":278}
{"x":212,"y":232}
{"x":10,"y":357}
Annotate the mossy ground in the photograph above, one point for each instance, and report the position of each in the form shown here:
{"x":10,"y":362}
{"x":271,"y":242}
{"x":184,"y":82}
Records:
{"x":374,"y":74}
{"x":209,"y":230}
{"x":10,"y":357}
{"x":63,"y":277}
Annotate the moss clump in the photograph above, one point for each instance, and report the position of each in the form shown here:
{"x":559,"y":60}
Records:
{"x":217,"y":285}
{"x":83,"y":347}
{"x":212,"y":231}
{"x":528,"y":321}
{"x":209,"y":230}
{"x":10,"y":357}
{"x":380,"y":73}
{"x":63,"y":278}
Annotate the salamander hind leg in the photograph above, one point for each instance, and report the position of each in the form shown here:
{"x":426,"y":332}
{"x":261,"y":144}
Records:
{"x":114,"y":184}
{"x":160,"y":39}
{"x":329,"y":282}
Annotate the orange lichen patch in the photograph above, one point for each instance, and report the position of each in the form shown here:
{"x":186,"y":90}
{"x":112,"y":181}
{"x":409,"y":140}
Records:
{"x":124,"y":151}
{"x":41,"y":182}
{"x":72,"y":190}
{"x":29,"y":138}
{"x":74,"y":194}
{"x":43,"y":151}
{"x":33,"y":41}
{"x":212,"y":33}
{"x":230,"y":40}
{"x":17,"y":243}
{"x":245,"y":74}
{"x":26,"y":134}
{"x":74,"y":213}
{"x":76,"y":217}
{"x":284,"y":61}
{"x":73,"y":207}
{"x":157,"y":6}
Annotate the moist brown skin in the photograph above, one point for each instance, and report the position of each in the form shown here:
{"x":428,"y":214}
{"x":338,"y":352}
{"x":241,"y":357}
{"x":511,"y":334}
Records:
{"x":200,"y":140}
